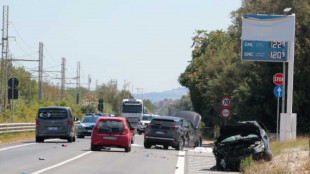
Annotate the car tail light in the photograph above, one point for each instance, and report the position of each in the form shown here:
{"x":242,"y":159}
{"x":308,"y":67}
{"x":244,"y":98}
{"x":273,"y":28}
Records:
{"x":69,"y":123}
{"x":125,"y":131}
{"x":174,"y":127}
{"x":37,"y":122}
{"x":148,"y":125}
{"x":95,"y":130}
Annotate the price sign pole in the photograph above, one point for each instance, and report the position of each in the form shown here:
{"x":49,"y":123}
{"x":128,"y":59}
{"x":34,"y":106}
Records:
{"x":273,"y":46}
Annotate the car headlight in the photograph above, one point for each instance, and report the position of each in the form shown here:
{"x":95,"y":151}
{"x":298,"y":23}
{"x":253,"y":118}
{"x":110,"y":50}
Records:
{"x":259,"y":146}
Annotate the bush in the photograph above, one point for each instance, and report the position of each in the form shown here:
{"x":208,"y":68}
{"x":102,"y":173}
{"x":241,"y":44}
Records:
{"x":245,"y":163}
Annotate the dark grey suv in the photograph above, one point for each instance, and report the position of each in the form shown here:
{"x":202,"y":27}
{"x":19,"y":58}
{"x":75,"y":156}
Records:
{"x":55,"y":122}
{"x":168,"y":131}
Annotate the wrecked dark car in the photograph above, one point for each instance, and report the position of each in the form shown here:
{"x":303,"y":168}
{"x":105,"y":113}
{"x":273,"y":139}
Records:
{"x":239,"y":141}
{"x":194,"y":120}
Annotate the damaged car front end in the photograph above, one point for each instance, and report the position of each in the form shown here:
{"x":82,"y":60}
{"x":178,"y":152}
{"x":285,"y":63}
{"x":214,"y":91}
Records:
{"x":239,"y":141}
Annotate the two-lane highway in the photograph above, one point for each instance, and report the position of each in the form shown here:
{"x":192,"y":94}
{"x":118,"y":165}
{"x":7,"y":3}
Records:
{"x":58,"y":156}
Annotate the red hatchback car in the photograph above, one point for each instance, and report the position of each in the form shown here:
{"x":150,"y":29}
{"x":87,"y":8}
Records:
{"x":111,"y":132}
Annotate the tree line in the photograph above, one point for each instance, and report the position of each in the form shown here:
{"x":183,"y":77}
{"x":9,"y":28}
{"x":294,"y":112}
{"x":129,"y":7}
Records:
{"x":27,"y":104}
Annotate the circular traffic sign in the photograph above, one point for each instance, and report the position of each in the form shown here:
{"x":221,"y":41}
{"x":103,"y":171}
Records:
{"x":278,"y":79}
{"x":225,"y":101}
{"x":278,"y":91}
{"x":13,"y":82}
{"x":225,"y":112}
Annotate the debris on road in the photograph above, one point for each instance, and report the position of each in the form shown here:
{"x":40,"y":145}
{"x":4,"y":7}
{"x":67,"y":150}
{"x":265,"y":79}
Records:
{"x":41,"y":158}
{"x":202,"y":150}
{"x":64,"y":145}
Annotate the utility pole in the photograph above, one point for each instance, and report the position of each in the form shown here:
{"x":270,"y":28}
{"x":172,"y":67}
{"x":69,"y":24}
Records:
{"x":78,"y":83}
{"x":4,"y":58}
{"x":63,"y":77}
{"x":96,"y":85}
{"x":40,"y":70}
{"x":89,"y":82}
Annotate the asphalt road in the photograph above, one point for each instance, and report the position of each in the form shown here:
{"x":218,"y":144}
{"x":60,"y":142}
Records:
{"x":57,"y":156}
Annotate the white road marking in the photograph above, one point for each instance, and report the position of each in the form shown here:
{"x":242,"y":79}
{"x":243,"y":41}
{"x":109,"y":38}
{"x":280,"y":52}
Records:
{"x":62,"y":163}
{"x":12,"y":147}
{"x":180,"y":163}
{"x":136,"y":145}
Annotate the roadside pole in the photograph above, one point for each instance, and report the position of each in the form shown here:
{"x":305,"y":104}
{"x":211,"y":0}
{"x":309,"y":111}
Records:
{"x":278,"y":119}
{"x":12,"y":101}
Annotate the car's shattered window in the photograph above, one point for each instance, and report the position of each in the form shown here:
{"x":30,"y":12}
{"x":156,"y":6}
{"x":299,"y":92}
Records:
{"x":239,"y":137}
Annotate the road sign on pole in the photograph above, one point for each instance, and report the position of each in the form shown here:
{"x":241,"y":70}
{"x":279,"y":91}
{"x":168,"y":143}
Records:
{"x":278,"y":79}
{"x":278,"y":91}
{"x":225,"y":113}
{"x":225,"y":101}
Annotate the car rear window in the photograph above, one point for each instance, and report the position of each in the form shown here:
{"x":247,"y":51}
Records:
{"x":110,"y":126}
{"x":52,"y":113}
{"x":163,"y":122}
{"x":90,"y":119}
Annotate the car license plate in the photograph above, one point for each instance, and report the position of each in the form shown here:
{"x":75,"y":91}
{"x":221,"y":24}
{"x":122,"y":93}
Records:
{"x":52,"y":128}
{"x":160,"y":132}
{"x":109,"y":138}
{"x":89,"y":130}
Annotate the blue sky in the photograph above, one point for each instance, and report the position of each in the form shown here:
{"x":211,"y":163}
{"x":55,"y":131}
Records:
{"x":144,"y":42}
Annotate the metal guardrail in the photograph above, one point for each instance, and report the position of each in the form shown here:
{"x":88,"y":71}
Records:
{"x":20,"y":127}
{"x":16,"y":127}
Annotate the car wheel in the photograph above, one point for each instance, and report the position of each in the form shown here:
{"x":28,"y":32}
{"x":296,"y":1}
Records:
{"x":94,"y":147}
{"x":219,"y":167}
{"x":139,"y":132}
{"x":267,"y":155}
{"x":74,"y":139}
{"x":70,"y":139}
{"x":132,"y":140}
{"x":166,"y":147}
{"x":180,"y":145}
{"x":80,"y":136}
{"x":128,"y":148}
{"x":39,"y":139}
{"x":198,"y":143}
{"x":147,"y":145}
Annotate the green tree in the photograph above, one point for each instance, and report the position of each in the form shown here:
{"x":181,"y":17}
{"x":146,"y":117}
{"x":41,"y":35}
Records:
{"x":149,"y":105}
{"x":217,"y":71}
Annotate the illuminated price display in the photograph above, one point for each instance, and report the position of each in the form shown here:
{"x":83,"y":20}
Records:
{"x":274,"y":51}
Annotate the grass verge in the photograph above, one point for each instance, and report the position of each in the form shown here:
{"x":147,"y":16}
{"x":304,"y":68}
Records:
{"x":288,"y":157}
{"x":6,"y":138}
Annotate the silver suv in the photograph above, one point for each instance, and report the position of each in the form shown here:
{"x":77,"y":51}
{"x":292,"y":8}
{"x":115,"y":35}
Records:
{"x":55,"y":122}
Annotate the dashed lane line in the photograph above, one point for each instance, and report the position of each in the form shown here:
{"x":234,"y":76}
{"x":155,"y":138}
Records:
{"x":62,"y":163}
{"x":12,"y":147}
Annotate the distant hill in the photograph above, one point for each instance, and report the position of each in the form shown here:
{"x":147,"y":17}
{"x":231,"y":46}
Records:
{"x":170,"y":94}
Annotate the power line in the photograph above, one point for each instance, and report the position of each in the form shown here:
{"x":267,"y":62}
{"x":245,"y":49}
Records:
{"x":20,"y":47}
{"x":20,"y":36}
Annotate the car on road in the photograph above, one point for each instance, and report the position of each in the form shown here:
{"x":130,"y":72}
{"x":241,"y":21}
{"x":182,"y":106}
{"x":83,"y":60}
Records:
{"x":111,"y":132}
{"x":239,"y":141}
{"x":105,"y":114}
{"x":168,"y":131}
{"x":146,"y":119}
{"x":86,"y":125}
{"x":55,"y":122}
{"x":194,"y":120}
